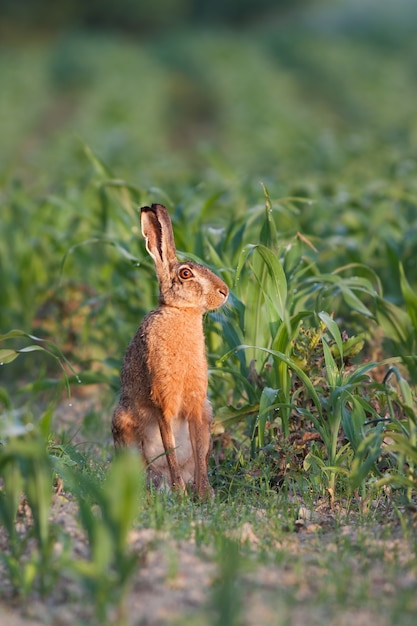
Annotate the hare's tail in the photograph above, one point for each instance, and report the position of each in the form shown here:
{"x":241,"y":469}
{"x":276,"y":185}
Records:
{"x":124,"y":427}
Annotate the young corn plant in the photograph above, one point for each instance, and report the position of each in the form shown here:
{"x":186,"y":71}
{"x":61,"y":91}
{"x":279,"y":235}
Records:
{"x":278,"y":294}
{"x":43,"y":346}
{"x":107,"y":514}
{"x":398,"y":434}
{"x":29,"y":464}
{"x":400,"y":324}
{"x":226,"y":597}
{"x":266,"y":317}
{"x":344,"y":406}
{"x":27,"y":478}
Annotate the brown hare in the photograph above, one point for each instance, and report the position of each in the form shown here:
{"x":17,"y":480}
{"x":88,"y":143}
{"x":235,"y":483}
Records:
{"x":163,"y":407}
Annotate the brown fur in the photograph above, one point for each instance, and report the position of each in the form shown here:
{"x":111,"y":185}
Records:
{"x":163,"y":407}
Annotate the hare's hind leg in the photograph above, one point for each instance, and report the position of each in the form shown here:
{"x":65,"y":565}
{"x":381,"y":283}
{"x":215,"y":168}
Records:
{"x":124,"y":427}
{"x":168,"y":439}
{"x":199,"y":427}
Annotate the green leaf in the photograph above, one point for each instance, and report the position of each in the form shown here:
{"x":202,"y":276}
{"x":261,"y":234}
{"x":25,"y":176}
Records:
{"x":353,"y":301}
{"x":33,"y":348}
{"x":332,"y":371}
{"x":268,"y":398}
{"x":294,"y":367}
{"x":268,"y":235}
{"x":278,"y":292}
{"x":7,"y":356}
{"x":10,"y":494}
{"x":5,"y":398}
{"x":228,"y":415}
{"x":244,"y":254}
{"x":274,"y":290}
{"x":407,"y":395}
{"x":353,"y":419}
{"x":366,"y":455}
{"x":401,"y":443}
{"x":394,"y":321}
{"x":352,"y":346}
{"x":333,"y":329}
{"x":50,"y":348}
{"x":101,"y":241}
{"x":122,"y":491}
{"x":410,"y":297}
{"x":13,"y":334}
{"x":99,"y":165}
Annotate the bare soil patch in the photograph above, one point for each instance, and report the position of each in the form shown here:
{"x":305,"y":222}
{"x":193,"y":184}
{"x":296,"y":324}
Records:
{"x":318,"y":571}
{"x":317,"y":574}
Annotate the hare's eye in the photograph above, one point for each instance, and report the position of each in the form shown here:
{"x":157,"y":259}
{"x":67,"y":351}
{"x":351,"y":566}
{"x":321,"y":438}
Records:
{"x":185,"y":273}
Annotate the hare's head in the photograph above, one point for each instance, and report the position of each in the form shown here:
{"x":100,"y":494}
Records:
{"x":182,"y":285}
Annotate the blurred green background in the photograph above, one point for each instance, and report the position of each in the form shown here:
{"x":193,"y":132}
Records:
{"x":168,"y":92}
{"x":194,"y":104}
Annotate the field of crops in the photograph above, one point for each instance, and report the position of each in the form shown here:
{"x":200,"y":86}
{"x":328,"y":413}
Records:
{"x":286,"y":155}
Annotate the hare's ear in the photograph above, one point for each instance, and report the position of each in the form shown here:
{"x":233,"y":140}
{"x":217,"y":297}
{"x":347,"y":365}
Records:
{"x":157,"y":230}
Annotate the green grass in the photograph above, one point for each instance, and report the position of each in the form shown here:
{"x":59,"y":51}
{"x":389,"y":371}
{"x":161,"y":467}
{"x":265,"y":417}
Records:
{"x":286,"y":157}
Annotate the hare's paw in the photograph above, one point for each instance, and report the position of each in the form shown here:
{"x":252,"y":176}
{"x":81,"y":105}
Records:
{"x":204,"y":491}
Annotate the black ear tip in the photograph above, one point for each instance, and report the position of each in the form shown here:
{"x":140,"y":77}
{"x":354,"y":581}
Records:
{"x":154,"y":208}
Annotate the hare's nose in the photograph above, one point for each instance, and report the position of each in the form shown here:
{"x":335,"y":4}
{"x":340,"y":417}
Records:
{"x":224,"y":292}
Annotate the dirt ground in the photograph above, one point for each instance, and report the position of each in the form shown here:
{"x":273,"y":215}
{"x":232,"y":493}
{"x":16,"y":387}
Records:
{"x":173,"y":581}
{"x":310,"y":580}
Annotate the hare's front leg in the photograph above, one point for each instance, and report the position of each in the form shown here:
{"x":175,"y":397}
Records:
{"x":199,"y":427}
{"x":167,"y":436}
